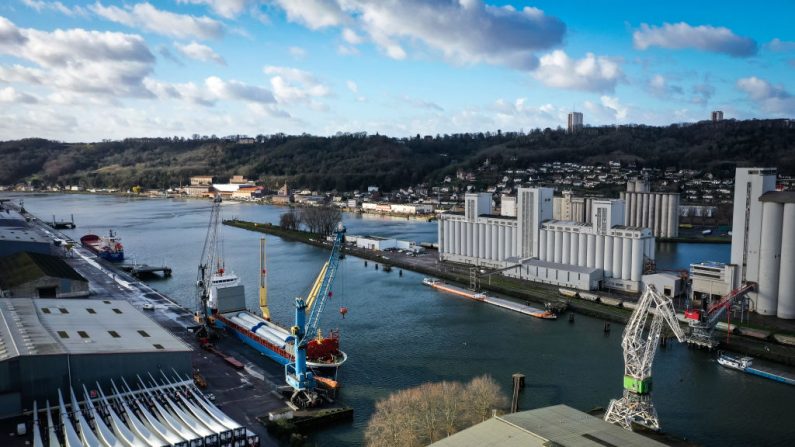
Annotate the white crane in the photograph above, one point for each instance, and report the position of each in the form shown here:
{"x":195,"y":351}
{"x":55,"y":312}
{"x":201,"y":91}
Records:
{"x":636,"y":404}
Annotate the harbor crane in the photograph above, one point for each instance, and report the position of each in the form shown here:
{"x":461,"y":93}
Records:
{"x":298,"y":377}
{"x":207,"y":266}
{"x":636,"y":406}
{"x":702,"y":322}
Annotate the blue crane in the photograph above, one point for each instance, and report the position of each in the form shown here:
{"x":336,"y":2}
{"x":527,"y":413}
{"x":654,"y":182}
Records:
{"x":297,"y":376}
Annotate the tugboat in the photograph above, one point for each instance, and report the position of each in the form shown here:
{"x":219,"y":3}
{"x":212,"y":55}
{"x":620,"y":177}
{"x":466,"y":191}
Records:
{"x":107,"y":247}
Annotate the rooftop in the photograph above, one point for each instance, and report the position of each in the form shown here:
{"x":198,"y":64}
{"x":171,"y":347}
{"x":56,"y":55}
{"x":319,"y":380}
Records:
{"x":778,"y":197}
{"x":78,"y":326}
{"x":559,"y":425}
{"x":24,"y":267}
{"x":19,"y":234}
{"x":554,"y":265}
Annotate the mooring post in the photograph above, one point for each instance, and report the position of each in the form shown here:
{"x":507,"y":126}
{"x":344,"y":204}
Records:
{"x":518,"y":385}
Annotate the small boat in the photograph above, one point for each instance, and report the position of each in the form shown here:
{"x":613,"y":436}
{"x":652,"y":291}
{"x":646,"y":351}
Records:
{"x":107,"y":247}
{"x":732,"y":362}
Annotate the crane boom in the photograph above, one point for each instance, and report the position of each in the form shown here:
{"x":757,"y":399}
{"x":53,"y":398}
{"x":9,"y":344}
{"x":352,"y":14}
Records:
{"x":208,"y":261}
{"x":297,"y":376}
{"x":639,"y":348}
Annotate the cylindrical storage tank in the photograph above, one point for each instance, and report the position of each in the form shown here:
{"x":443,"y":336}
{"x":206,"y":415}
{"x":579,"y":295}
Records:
{"x":644,"y":221}
{"x":458,"y":238}
{"x":550,"y":246}
{"x":475,"y":240}
{"x":566,"y":249}
{"x":657,"y":230}
{"x":558,"y":246}
{"x":673,"y":215}
{"x":633,"y":204}
{"x":652,"y":211}
{"x":652,"y":249}
{"x":494,"y":230}
{"x":588,"y":204}
{"x":631,"y":186}
{"x":591,"y":252}
{"x":599,"y":253}
{"x":508,"y":241}
{"x":617,"y":252}
{"x":450,"y":236}
{"x":664,"y":217}
{"x":637,"y":260}
{"x":501,"y":243}
{"x":608,"y":257}
{"x":575,"y":249}
{"x":482,"y":241}
{"x":542,"y":244}
{"x":626,"y":258}
{"x":582,"y":258}
{"x":786,"y":282}
{"x":769,"y":258}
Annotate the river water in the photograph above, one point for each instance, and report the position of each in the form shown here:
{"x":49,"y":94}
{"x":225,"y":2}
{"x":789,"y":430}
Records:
{"x":399,"y":333}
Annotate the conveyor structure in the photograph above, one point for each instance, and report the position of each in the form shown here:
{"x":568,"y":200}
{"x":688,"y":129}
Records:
{"x":158,"y":412}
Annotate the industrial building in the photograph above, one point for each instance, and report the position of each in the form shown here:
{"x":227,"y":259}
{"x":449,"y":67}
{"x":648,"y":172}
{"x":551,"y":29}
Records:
{"x":621,"y":253}
{"x":711,"y":280}
{"x":16,"y":239}
{"x":763,"y":241}
{"x":658,"y":211}
{"x":558,"y":425}
{"x":50,"y":344}
{"x":571,"y":208}
{"x":34,"y":275}
{"x":604,"y":253}
{"x":479,"y":237}
{"x":667,"y":283}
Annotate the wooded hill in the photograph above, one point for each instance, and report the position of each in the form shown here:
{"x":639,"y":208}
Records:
{"x":353,"y":161}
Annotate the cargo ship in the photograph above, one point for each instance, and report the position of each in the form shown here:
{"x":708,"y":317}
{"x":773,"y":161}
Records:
{"x":107,"y":247}
{"x":481,"y":297}
{"x":745,"y":364}
{"x":227,"y":311}
{"x":224,"y":300}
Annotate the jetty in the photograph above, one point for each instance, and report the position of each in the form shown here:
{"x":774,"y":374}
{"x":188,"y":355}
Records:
{"x":63,"y":224}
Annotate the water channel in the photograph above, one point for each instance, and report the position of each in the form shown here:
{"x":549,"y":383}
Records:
{"x":399,"y":333}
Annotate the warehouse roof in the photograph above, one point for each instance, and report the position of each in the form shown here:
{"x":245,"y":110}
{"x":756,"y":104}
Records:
{"x":17,"y":234}
{"x":556,"y":425}
{"x":778,"y":197}
{"x":24,"y":267}
{"x":78,"y":326}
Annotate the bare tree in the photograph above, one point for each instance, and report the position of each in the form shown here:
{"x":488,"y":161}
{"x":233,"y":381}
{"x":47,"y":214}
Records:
{"x":321,"y":220}
{"x":290,"y":220}
{"x":432,"y":411}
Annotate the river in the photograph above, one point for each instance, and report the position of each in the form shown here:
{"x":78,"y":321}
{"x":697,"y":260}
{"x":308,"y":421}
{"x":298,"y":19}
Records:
{"x":399,"y":333}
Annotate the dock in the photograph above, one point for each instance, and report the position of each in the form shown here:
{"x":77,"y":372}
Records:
{"x":141,"y":270}
{"x":63,"y":224}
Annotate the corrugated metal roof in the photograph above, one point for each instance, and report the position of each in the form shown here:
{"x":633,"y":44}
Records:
{"x":77,"y":326}
{"x":556,"y":425}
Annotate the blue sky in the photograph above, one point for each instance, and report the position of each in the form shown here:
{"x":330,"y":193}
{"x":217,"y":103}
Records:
{"x":79,"y":70}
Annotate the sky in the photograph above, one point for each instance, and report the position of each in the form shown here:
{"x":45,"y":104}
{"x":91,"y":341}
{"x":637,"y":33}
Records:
{"x":87,"y":70}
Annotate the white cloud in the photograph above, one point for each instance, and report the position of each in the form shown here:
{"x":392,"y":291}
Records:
{"x":682,"y":35}
{"x":297,"y":52}
{"x":702,"y":93}
{"x":224,"y":8}
{"x":346,"y":50}
{"x":611,"y":102}
{"x":10,"y":95}
{"x":56,"y":6}
{"x":463,"y":32}
{"x":313,"y":14}
{"x":421,"y":103}
{"x":779,"y":45}
{"x":79,"y":60}
{"x":770,"y":98}
{"x":146,"y":16}
{"x":294,"y":85}
{"x":352,"y":86}
{"x":659,"y":86}
{"x":351,"y":36}
{"x":591,"y":73}
{"x":199,"y":52}
{"x":19,"y":73}
{"x":214,"y":89}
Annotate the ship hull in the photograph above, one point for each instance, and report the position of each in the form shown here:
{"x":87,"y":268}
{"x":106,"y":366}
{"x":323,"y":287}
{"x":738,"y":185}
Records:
{"x":273,"y":352}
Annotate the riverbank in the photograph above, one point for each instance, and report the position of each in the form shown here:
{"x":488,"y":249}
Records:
{"x":517,"y":289}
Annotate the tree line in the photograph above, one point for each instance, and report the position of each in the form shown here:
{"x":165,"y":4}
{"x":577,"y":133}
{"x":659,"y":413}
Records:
{"x":345,"y":162}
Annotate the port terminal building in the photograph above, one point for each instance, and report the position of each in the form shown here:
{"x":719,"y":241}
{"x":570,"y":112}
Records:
{"x":604,"y":253}
{"x":763,"y":241}
{"x":51,"y":344}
